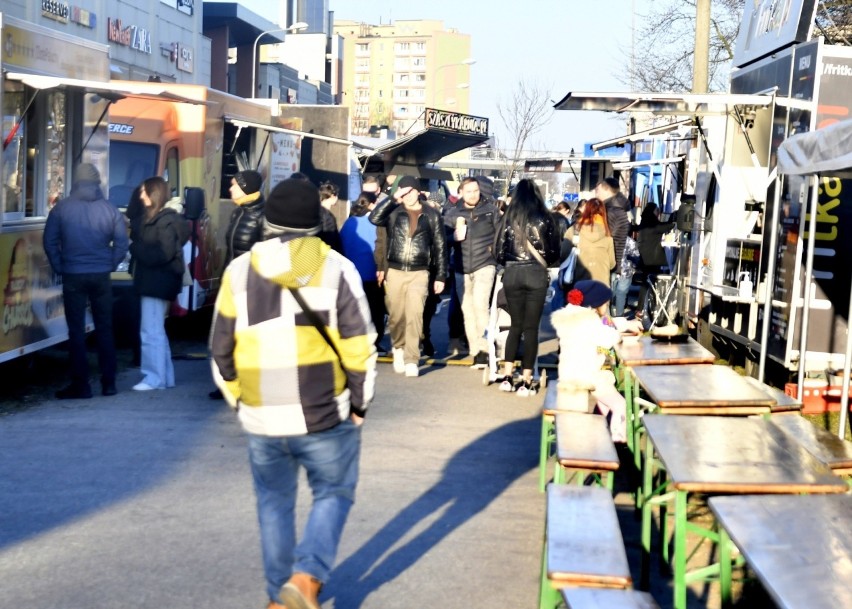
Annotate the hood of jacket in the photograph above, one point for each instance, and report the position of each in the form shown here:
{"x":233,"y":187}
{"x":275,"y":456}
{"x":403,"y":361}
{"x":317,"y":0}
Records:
{"x":291,"y":260}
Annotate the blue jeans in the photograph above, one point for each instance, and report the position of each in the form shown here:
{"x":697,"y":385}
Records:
{"x":330,"y":459}
{"x":620,"y":289}
{"x":156,"y":365}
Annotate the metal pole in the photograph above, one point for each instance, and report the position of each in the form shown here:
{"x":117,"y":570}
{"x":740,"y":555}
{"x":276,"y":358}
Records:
{"x":809,"y":271}
{"x":700,"y":66}
{"x":769,"y":282}
{"x":844,"y":396}
{"x":254,"y":58}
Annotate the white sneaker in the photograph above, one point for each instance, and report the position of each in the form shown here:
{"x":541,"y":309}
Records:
{"x":412,"y":370}
{"x":143,"y":386}
{"x":398,"y":361}
{"x":507,"y":385}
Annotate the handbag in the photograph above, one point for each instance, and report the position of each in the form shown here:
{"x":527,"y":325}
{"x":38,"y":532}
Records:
{"x":567,"y":267}
{"x":317,"y":322}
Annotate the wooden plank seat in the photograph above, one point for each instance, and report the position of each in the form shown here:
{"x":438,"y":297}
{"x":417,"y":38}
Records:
{"x":584,"y":444}
{"x":822,"y":444}
{"x":583,"y":546}
{"x":783,"y":403}
{"x":607,"y":598}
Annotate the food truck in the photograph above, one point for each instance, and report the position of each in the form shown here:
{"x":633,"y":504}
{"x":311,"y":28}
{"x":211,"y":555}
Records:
{"x":761,"y":262}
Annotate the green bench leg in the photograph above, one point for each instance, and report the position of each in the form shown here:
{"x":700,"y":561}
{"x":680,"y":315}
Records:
{"x":549,"y":597}
{"x":680,"y":551}
{"x":548,"y":434}
{"x":725,"y":567}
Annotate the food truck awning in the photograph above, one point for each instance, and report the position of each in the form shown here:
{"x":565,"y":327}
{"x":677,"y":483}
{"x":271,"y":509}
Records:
{"x":826,"y":149}
{"x":325,"y":138}
{"x":620,"y":165}
{"x":444,"y":134}
{"x":108,"y":90}
{"x":641,"y":135}
{"x":675,"y":104}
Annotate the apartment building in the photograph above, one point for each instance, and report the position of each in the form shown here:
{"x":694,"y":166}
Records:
{"x":392,"y":72}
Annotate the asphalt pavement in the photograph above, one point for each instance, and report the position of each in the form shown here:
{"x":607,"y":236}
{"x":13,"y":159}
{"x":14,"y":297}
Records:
{"x":144,"y":500}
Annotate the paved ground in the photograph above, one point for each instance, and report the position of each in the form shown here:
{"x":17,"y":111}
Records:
{"x":144,"y":501}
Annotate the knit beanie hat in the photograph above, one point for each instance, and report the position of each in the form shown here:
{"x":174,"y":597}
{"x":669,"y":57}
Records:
{"x":86,"y":172}
{"x":249,"y":181}
{"x":589,"y":293}
{"x":293,"y":204}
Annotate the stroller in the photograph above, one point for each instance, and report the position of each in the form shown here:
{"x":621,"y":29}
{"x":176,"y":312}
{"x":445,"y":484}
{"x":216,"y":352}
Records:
{"x":497,"y":332}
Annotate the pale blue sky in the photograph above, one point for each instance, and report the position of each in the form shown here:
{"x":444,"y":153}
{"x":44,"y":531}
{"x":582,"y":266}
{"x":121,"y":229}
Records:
{"x":567,"y":45}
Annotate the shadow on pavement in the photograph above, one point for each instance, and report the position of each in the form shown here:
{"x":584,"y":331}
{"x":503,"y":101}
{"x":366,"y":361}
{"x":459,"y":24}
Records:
{"x":492,"y":462}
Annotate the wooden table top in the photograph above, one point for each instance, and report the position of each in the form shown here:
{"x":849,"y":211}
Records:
{"x":700,"y":386}
{"x":800,"y":546}
{"x":583,"y":441}
{"x":646,"y":351}
{"x":712,"y":454}
{"x":822,"y":444}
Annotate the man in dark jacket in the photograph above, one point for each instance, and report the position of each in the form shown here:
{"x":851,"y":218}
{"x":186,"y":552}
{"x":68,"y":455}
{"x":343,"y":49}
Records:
{"x":246,"y":224}
{"x":474,"y":223}
{"x":85,"y":238}
{"x":617,"y":207}
{"x":415,"y":245}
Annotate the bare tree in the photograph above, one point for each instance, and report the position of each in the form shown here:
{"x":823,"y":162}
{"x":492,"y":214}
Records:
{"x":526,"y":112}
{"x":662,"y":56}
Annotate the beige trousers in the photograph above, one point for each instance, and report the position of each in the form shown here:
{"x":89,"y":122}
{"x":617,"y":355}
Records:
{"x":405,"y":297}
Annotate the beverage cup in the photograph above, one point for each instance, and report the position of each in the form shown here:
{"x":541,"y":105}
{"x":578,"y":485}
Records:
{"x":461,"y":229}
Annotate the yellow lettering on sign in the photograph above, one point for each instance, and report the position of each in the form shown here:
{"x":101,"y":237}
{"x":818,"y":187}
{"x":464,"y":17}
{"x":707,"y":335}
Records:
{"x":831,"y":187}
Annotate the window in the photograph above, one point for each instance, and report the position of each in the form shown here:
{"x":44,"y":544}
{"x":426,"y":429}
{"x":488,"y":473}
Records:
{"x":420,"y":46}
{"x":418,"y":62}
{"x":172,"y":173}
{"x":362,"y":48}
{"x":419,"y":78}
{"x":402,"y":46}
{"x":402,"y":79}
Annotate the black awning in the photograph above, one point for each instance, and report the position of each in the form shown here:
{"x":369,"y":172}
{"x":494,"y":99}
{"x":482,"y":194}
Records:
{"x":425,"y":146}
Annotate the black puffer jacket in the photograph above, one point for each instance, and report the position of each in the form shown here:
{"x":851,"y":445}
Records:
{"x":244,"y":229}
{"x":425,"y":250}
{"x":510,"y":247}
{"x":617,"y":207}
{"x":475,"y":250}
{"x":157,"y":249}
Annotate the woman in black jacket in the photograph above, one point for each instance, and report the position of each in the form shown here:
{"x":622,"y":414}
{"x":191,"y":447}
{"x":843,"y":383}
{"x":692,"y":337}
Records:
{"x":157,"y":238}
{"x":246,"y":224}
{"x":653,"y":256}
{"x":526,"y":244}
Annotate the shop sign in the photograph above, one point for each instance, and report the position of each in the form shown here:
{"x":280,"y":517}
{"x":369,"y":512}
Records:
{"x":38,"y":49}
{"x":768,"y":26}
{"x":184,"y":58}
{"x":53,"y":9}
{"x":81,"y":16}
{"x":456,"y":122}
{"x":543,"y":165}
{"x":131,"y":36}
{"x":184,"y":6}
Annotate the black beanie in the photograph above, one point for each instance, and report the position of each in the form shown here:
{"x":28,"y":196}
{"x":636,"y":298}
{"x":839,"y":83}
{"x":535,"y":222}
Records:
{"x":249,"y":181}
{"x":293,"y":204}
{"x":86,"y":172}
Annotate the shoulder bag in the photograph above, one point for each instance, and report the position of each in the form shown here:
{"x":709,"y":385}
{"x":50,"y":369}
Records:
{"x":317,"y":322}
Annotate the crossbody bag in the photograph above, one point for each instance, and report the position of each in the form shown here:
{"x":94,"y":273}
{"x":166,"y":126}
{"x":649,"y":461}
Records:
{"x":317,"y":322}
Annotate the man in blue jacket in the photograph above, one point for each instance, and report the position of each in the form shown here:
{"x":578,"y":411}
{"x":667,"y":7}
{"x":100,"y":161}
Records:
{"x":85,"y":238}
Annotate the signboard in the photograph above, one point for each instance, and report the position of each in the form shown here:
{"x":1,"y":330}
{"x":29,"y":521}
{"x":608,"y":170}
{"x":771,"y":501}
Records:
{"x":184,"y":6}
{"x":456,"y":122}
{"x":543,"y":166}
{"x":286,"y":153}
{"x":184,"y":58}
{"x":769,"y":25}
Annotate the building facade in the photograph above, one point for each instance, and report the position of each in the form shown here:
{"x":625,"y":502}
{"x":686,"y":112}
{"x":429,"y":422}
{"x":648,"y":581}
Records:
{"x":392,"y":72}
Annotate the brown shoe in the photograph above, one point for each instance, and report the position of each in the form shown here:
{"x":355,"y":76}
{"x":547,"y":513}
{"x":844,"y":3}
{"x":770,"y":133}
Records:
{"x":301,"y":592}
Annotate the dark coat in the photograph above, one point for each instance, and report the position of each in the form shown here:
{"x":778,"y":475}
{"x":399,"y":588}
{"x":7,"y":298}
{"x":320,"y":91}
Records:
{"x":85,"y":233}
{"x":157,"y":249}
{"x":475,"y":251}
{"x":425,"y":250}
{"x":510,"y":247}
{"x":245,"y":228}
{"x":650,"y":243}
{"x":617,"y":207}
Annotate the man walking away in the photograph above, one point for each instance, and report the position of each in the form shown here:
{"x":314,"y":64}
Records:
{"x":292,"y":345}
{"x":85,"y":239}
{"x":617,"y":207}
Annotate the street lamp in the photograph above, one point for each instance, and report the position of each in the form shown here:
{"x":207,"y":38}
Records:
{"x":296,"y":27}
{"x":464,"y":62}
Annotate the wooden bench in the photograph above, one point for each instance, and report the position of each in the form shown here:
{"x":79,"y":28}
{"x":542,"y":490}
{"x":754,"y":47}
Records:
{"x":784,"y":404}
{"x":583,"y":546}
{"x":584,"y":444}
{"x":822,"y":444}
{"x":607,"y":598}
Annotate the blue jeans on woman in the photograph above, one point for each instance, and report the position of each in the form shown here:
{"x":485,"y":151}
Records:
{"x":156,"y":361}
{"x":330,"y":459}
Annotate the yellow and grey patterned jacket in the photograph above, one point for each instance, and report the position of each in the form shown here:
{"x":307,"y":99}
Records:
{"x":270,"y":361}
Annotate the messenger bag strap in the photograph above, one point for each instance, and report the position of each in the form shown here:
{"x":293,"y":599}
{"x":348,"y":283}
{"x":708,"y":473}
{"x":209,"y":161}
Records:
{"x":316,"y":321}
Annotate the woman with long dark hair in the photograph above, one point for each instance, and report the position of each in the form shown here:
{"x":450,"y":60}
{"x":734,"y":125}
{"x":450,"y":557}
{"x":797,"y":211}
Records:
{"x":157,"y":238}
{"x":526,"y":244}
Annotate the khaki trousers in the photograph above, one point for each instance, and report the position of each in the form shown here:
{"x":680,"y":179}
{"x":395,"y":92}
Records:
{"x":474,"y":291}
{"x":405,"y":296}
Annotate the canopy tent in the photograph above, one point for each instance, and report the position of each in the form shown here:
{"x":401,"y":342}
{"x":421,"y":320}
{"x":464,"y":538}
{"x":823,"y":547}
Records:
{"x":825,"y":150}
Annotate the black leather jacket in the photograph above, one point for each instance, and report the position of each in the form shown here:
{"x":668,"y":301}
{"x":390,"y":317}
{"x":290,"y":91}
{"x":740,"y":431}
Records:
{"x":542,"y":235}
{"x":245,"y":228}
{"x":426,"y":249}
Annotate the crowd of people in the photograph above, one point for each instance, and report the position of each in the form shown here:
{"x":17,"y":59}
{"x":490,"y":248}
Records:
{"x":301,"y":314}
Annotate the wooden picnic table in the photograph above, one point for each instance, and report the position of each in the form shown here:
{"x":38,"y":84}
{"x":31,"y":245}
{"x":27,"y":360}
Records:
{"x":719,"y":455}
{"x":800,"y":546}
{"x":835,"y":452}
{"x":650,"y":351}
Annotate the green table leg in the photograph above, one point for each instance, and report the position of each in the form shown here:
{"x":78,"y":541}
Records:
{"x":680,"y":551}
{"x":547,"y":437}
{"x":645,"y":492}
{"x":725,"y":567}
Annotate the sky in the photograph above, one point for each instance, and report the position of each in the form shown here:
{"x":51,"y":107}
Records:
{"x":565,"y":45}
